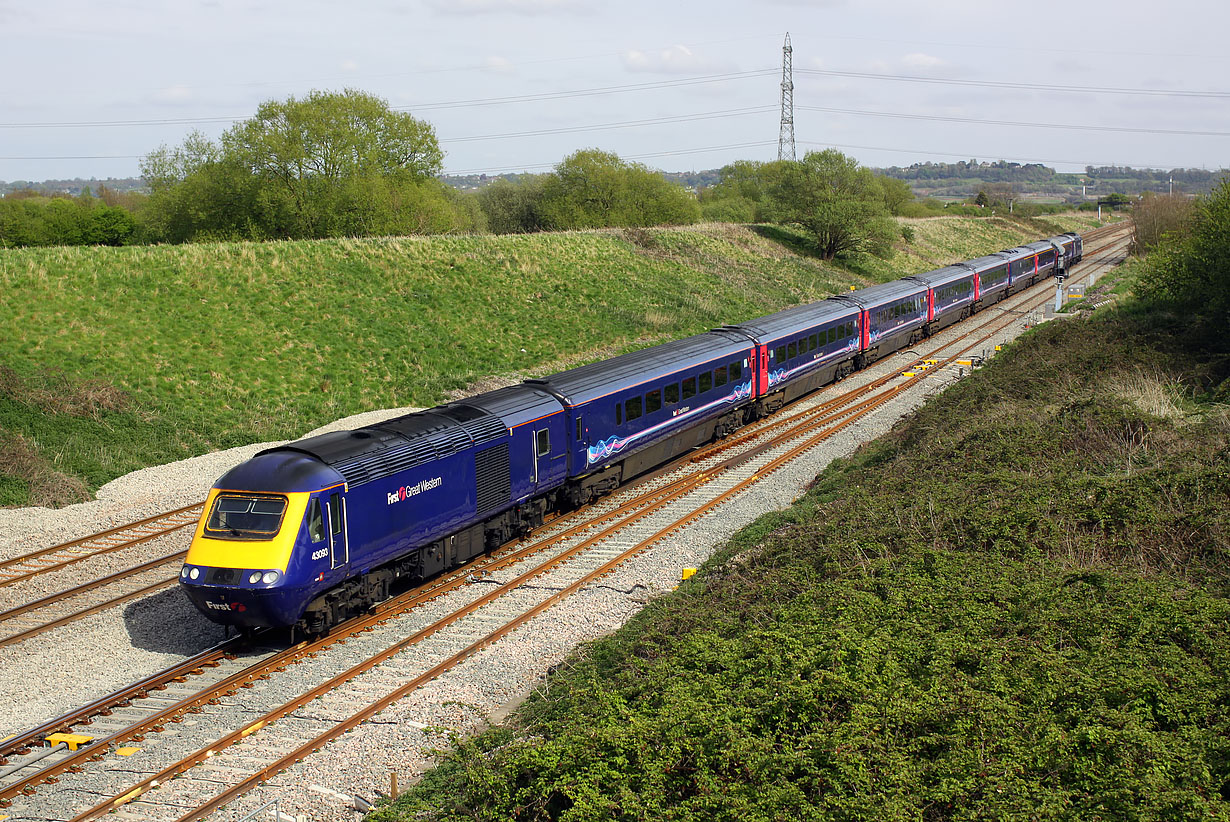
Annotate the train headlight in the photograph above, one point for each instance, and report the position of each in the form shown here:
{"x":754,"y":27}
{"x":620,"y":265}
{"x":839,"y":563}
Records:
{"x":194,"y":573}
{"x":270,"y":577}
{"x":254,"y":577}
{"x":183,"y":572}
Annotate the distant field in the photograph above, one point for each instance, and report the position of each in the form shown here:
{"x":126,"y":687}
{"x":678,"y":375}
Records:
{"x":112,"y":359}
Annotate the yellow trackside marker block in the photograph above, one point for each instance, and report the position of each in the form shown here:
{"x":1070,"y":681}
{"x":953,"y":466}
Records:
{"x":965,"y":362}
{"x":688,"y":573}
{"x":999,"y":348}
{"x":126,"y":751}
{"x":907,"y":373}
{"x":73,"y":741}
{"x":931,"y":362}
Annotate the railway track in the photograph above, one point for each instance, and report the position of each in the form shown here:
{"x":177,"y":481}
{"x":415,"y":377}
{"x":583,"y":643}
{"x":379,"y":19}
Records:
{"x":606,"y":535}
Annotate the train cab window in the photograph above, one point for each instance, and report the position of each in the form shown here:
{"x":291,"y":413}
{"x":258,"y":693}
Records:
{"x":689,"y":388}
{"x":735,"y":371}
{"x":779,"y":353}
{"x":335,"y":513}
{"x":236,"y":516}
{"x":543,"y":438}
{"x":792,"y":350}
{"x":813,"y":342}
{"x":706,"y":381}
{"x":719,"y":376}
{"x":671,"y":393}
{"x":316,"y":521}
{"x":632,"y":408}
{"x":653,"y":401}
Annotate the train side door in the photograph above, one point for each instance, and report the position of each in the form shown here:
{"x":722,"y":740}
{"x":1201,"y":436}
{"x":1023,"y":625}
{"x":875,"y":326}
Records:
{"x":550,"y":451}
{"x":760,"y":367}
{"x":339,"y":546}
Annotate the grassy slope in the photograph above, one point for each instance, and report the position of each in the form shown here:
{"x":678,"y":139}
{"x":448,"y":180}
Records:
{"x":113,"y":359}
{"x":1014,"y":606}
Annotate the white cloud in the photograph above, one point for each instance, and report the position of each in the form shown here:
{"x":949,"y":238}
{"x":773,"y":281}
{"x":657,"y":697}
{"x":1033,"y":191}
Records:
{"x":173,"y":95}
{"x":348,"y":66}
{"x":920,"y":60}
{"x":522,"y":7}
{"x":499,"y":65}
{"x":674,"y":60}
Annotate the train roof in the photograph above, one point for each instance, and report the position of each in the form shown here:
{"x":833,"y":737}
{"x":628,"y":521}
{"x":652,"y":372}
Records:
{"x":580,"y":385}
{"x":381,"y":449}
{"x":1040,"y":245}
{"x":797,"y":318}
{"x":874,"y":295}
{"x":280,"y":472}
{"x":943,"y":276}
{"x":989,"y":261}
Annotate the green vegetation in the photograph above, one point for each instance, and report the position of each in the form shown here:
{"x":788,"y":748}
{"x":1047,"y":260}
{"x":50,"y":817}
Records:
{"x":1190,"y":269}
{"x":329,"y":165}
{"x":222,"y":344}
{"x":1014,"y":606}
{"x":29,"y":219}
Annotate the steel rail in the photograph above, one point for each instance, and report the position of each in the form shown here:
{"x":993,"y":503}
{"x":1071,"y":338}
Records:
{"x":73,"y":559}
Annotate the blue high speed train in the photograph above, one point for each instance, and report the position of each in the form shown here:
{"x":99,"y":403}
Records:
{"x":310,"y":533}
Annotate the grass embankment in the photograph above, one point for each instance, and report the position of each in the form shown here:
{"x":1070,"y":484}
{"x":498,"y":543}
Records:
{"x":1014,"y":606}
{"x":112,"y":359}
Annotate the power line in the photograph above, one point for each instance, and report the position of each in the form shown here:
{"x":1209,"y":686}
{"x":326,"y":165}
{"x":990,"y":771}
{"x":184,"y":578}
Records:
{"x":1017,"y":123}
{"x":682,"y":118}
{"x":674,"y":153}
{"x":952,"y":81}
{"x":445,"y":104}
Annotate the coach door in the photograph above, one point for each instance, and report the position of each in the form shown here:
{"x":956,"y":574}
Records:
{"x":339,"y":546}
{"x":760,"y":369}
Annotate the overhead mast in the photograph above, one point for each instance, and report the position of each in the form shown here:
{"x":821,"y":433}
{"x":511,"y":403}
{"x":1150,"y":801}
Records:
{"x":785,"y":136}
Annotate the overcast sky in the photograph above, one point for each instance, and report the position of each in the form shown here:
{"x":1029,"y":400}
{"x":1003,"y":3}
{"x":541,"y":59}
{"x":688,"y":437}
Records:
{"x":516,"y":85}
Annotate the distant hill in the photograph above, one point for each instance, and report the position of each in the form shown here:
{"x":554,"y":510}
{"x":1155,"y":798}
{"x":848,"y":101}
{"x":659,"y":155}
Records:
{"x":74,"y":186}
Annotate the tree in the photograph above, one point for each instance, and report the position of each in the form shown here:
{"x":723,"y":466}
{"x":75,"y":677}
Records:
{"x":331,"y":164}
{"x":1190,"y":270}
{"x":896,"y":194}
{"x":512,"y":207}
{"x":309,"y":153}
{"x":594,"y":189}
{"x":838,"y":203}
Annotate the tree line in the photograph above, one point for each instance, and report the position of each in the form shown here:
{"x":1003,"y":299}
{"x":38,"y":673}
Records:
{"x":346,"y":164}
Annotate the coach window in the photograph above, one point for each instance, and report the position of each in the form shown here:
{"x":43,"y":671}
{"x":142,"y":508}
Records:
{"x":544,"y":442}
{"x":706,"y":381}
{"x":653,"y":401}
{"x":779,"y":353}
{"x":632,"y":408}
{"x":316,"y":521}
{"x":813,"y":342}
{"x":719,"y":376}
{"x":619,"y":413}
{"x":735,"y":371}
{"x":792,"y":350}
{"x":672,"y":393}
{"x":579,"y":429}
{"x":689,"y":388}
